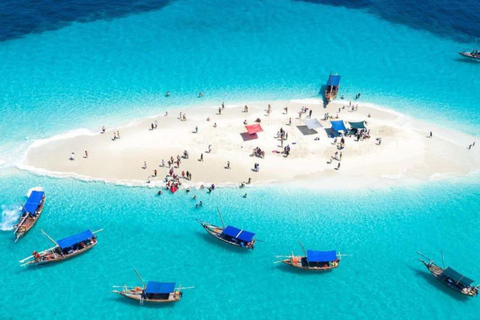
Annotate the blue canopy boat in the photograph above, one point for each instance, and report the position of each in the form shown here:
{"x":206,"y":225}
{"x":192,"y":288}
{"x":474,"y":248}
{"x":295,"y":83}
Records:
{"x":314,"y":260}
{"x":153,"y":291}
{"x":451,"y":278}
{"x":332,"y":87}
{"x":229,"y":234}
{"x":64,"y":248}
{"x":31,"y":211}
{"x":474,"y":54}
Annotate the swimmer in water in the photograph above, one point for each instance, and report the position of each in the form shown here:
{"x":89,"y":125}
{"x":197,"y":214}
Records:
{"x":245,"y":195}
{"x":159,"y":193}
{"x":194,"y":196}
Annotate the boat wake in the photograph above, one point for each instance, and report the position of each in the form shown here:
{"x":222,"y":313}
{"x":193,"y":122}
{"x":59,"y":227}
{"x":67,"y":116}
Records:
{"x":10,"y":216}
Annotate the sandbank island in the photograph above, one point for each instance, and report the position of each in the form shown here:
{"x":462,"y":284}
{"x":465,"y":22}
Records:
{"x":214,"y":146}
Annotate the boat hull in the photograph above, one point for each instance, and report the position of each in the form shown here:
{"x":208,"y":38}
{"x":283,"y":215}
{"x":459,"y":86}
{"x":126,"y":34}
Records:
{"x":296,"y":262}
{"x":137,"y":296}
{"x":52,"y":256}
{"x":470,"y":56}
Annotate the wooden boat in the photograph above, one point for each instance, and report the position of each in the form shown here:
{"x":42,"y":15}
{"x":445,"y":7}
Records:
{"x":155,"y":292}
{"x":474,"y":54}
{"x":313,"y":260}
{"x":231,"y":235}
{"x":332,"y":87}
{"x":451,"y":278}
{"x":31,"y":211}
{"x":64,"y":249}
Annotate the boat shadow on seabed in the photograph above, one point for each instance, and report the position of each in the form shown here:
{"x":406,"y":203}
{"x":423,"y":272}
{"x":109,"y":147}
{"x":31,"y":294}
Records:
{"x":437,"y":284}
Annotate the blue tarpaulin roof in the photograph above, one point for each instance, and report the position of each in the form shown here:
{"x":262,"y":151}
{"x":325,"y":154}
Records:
{"x":160,"y":287}
{"x":33,"y":201}
{"x":73,"y":240}
{"x":238,"y":234}
{"x":338,"y":125}
{"x":321,"y":256}
{"x":333,"y":80}
{"x":457,"y":277}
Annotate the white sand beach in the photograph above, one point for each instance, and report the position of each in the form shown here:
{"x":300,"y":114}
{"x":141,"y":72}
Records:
{"x":405,"y":154}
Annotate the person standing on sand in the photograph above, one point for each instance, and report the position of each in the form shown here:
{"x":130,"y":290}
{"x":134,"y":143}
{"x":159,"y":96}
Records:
{"x":228,"y":164}
{"x":310,"y":113}
{"x":201,"y":157}
{"x":223,"y":105}
{"x":156,"y":124}
{"x":86,"y":154}
{"x":103,"y":129}
{"x":196,"y":129}
{"x":144,"y":164}
{"x":118,"y":134}
{"x":209,"y":148}
{"x":431,"y":134}
{"x":220,"y":111}
{"x":155,"y":172}
{"x":338,"y":167}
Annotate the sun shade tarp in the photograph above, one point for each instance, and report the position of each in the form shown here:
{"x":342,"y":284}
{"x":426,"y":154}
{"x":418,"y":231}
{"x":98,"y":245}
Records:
{"x":457,"y":277}
{"x":338,"y":125}
{"x":154,"y":287}
{"x":76,"y":239}
{"x":312,"y":123}
{"x":357,"y":125}
{"x":33,"y":201}
{"x":321,"y":256}
{"x":238,"y":234}
{"x":254,"y":128}
{"x":334,"y":80}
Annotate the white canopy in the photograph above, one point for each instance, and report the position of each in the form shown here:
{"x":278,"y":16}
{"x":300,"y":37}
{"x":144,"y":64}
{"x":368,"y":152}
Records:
{"x":312,"y":123}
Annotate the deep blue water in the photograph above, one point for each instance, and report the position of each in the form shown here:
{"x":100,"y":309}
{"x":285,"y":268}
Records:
{"x":83,"y":64}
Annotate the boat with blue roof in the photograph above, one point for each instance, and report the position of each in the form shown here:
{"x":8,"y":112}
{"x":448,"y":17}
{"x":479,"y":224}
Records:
{"x":332,"y":87}
{"x":450,"y":277}
{"x":473,"y":54}
{"x":152,"y":291}
{"x":229,"y":234}
{"x":64,"y":249}
{"x":313,"y":260}
{"x":31,"y":211}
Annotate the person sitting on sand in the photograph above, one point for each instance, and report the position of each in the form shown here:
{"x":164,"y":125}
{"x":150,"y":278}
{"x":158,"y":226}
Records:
{"x":72,"y":156}
{"x":245,"y":122}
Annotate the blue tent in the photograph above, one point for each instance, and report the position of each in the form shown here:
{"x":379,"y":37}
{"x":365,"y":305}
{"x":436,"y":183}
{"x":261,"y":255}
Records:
{"x":76,"y":239}
{"x":154,"y":287}
{"x":338,"y":125}
{"x":238,"y":234}
{"x":333,"y":80}
{"x":321,"y":256}
{"x":33,"y":201}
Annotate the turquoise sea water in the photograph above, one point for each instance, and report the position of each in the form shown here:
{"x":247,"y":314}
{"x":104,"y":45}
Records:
{"x":116,"y":67}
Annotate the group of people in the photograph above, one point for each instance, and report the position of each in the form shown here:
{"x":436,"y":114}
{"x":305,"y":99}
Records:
{"x":257,"y":152}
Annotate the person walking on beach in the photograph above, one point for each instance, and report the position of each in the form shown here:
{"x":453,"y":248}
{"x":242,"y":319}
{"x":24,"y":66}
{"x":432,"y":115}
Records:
{"x":223,"y":105}
{"x":118,"y":134}
{"x":201,"y":157}
{"x":103,"y":129}
{"x":156,"y":124}
{"x":144,"y":164}
{"x":289,"y":121}
{"x":155,"y":172}
{"x":220,"y":111}
{"x":86,"y":154}
{"x":310,"y":113}
{"x":196,"y":129}
{"x":431,"y":135}
{"x":228,"y":164}
{"x":338,"y":167}
{"x":209,"y":148}
{"x":286,"y":110}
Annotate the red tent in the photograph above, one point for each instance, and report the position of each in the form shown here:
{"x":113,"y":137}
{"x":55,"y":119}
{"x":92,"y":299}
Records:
{"x":253,"y":128}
